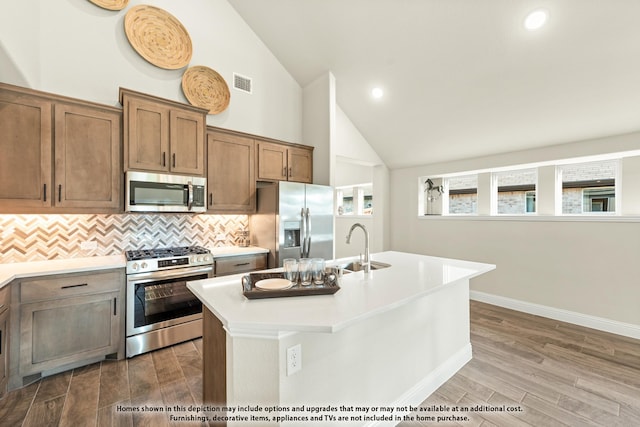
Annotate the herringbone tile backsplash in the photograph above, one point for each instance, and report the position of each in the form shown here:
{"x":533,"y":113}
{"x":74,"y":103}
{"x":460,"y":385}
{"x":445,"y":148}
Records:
{"x":45,"y":237}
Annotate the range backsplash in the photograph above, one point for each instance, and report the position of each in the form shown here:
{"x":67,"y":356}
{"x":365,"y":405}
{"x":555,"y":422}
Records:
{"x":45,"y":237}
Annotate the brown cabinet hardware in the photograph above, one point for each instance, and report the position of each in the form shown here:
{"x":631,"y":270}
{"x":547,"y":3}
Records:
{"x":242,"y":263}
{"x":173,"y":160}
{"x":164,"y":158}
{"x":115,"y":305}
{"x":59,"y":193}
{"x":45,"y":192}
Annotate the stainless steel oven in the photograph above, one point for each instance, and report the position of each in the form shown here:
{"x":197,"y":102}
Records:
{"x":161,"y":311}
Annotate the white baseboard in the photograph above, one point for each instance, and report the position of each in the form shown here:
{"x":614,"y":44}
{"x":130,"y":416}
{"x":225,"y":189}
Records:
{"x":416,"y":395}
{"x":599,"y":323}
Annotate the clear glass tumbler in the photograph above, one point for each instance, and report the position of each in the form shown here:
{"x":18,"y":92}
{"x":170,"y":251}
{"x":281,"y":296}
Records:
{"x":317,"y":266}
{"x":290,"y":266}
{"x":304,"y":269}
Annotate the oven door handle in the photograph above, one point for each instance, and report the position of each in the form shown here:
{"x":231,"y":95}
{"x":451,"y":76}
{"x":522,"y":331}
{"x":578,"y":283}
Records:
{"x":167,"y":274}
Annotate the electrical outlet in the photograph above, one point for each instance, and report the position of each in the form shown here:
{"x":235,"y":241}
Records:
{"x":294,"y":359}
{"x":88,"y":245}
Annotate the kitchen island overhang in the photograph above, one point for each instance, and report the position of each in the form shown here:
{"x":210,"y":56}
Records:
{"x":387,"y":338}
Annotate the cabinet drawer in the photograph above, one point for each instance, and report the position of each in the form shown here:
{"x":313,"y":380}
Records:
{"x":63,"y":286}
{"x":5,"y":292}
{"x":240,"y":264}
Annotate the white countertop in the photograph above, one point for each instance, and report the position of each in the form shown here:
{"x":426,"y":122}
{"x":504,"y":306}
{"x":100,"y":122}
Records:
{"x":11,"y":271}
{"x":410,"y":276}
{"x":225,"y":251}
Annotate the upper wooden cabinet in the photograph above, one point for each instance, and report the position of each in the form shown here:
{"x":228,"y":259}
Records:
{"x":26,"y":145}
{"x":281,"y":162}
{"x":87,"y":157}
{"x":162,"y":135}
{"x":82,"y":139}
{"x":230,"y":173}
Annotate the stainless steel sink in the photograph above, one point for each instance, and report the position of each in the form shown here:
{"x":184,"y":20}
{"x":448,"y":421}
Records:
{"x":358,"y":266}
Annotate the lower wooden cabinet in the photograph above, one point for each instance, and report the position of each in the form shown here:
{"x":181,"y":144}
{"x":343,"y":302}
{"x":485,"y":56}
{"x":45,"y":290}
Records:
{"x":69,"y":320}
{"x":225,"y":266}
{"x":4,"y":339}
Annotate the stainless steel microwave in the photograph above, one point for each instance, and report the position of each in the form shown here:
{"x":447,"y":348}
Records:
{"x":154,"y":192}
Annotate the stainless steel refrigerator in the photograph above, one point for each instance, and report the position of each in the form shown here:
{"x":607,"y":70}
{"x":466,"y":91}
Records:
{"x":293,"y":220}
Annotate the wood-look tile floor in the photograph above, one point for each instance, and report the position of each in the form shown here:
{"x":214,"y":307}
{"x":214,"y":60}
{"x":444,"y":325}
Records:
{"x":556,"y":373}
{"x":88,"y":396}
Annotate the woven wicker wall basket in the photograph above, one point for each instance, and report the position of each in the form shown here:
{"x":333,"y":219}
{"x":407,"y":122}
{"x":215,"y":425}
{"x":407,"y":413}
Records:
{"x":158,"y":37}
{"x":111,"y":4}
{"x":205,"y":88}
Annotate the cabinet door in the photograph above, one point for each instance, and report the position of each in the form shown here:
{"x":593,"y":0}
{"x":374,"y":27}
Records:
{"x":87,"y":152}
{"x":146,"y":135}
{"x":4,"y":347}
{"x":272,"y":161}
{"x":63,"y":331}
{"x":187,"y":142}
{"x":25,"y":147}
{"x":230,"y":173}
{"x":300,"y":162}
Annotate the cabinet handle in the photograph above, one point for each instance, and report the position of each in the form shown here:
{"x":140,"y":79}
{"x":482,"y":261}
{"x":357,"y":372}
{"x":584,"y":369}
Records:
{"x":164,"y":158}
{"x":115,"y":305}
{"x":284,"y":171}
{"x":173,"y":159}
{"x":74,"y":286}
{"x":241,"y":264}
{"x":45,"y":192}
{"x":210,"y":199}
{"x":59,"y":193}
{"x":290,"y":171}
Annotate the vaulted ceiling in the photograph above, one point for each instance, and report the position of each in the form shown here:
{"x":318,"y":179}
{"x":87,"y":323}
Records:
{"x":463,"y":78}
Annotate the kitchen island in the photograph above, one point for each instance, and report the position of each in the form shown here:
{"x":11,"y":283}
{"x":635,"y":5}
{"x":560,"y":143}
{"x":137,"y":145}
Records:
{"x":386,"y":339}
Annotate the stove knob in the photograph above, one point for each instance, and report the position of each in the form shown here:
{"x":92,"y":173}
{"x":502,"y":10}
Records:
{"x":135,"y":266}
{"x":207,"y":258}
{"x":144,"y":265}
{"x":199,"y":259}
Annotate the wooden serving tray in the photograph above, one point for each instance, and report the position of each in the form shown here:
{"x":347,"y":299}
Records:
{"x":250,"y":291}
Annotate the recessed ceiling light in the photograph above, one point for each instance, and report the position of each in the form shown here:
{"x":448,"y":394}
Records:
{"x":377,"y":92}
{"x":535,"y":19}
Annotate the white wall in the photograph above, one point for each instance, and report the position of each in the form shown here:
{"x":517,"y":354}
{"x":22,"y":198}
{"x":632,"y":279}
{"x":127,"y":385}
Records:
{"x":357,"y":163}
{"x":77,"y":49}
{"x":585,"y":267}
{"x":318,"y":124}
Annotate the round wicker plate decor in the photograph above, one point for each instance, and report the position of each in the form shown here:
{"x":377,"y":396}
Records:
{"x":111,"y":4}
{"x":158,"y":37}
{"x":205,"y":88}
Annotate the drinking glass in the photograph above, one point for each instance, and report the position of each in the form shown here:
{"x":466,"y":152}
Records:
{"x":304,"y":269}
{"x":318,"y":271}
{"x":290,"y":266}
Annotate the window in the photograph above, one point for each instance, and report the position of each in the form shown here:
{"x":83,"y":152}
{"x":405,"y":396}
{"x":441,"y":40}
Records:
{"x":463,"y":194}
{"x":355,"y":200}
{"x":589,"y":187}
{"x":516,"y":191}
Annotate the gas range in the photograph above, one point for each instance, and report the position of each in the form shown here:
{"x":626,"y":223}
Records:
{"x":157,"y":259}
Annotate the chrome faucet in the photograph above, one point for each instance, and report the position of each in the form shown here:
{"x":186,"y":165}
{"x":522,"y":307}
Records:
{"x":366,"y":263}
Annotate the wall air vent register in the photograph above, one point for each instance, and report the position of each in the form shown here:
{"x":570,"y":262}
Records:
{"x":242,"y":83}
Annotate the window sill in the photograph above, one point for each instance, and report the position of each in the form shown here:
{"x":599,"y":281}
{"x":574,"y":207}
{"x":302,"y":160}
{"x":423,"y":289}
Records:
{"x":534,"y":218}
